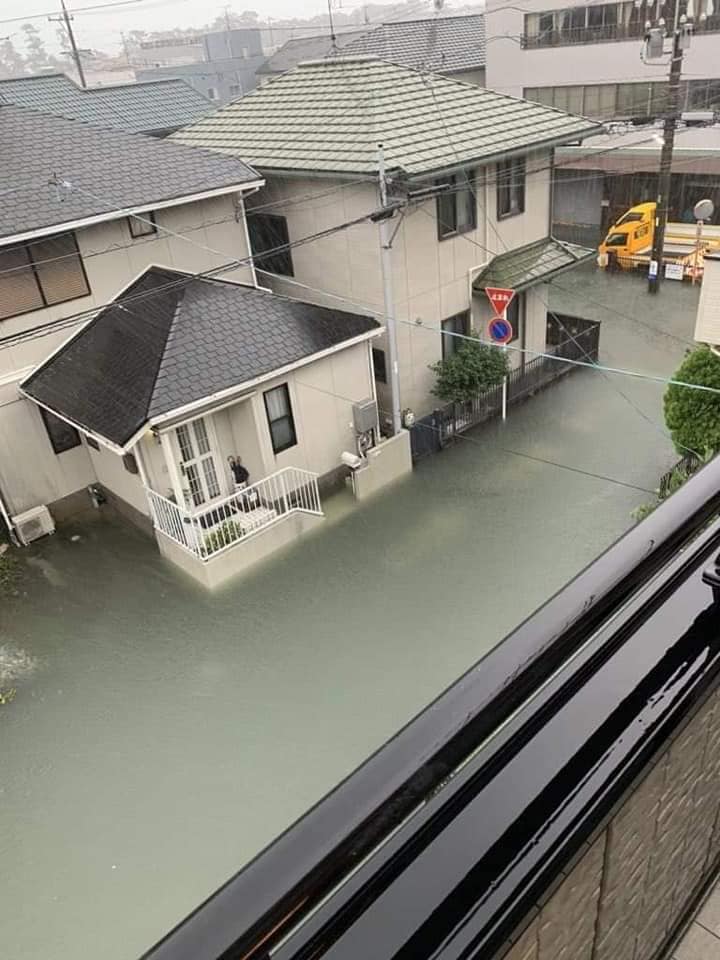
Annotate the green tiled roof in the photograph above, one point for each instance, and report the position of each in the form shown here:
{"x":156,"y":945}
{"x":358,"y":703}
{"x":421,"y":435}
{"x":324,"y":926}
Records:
{"x":521,"y":268}
{"x":329,"y":115}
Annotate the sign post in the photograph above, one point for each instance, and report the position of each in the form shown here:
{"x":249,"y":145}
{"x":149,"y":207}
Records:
{"x":500,"y":329}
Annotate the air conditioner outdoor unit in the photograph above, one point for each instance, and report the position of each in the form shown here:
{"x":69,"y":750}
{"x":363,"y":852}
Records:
{"x":33,"y":524}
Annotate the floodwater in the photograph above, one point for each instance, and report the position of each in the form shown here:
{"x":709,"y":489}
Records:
{"x":168,"y":735}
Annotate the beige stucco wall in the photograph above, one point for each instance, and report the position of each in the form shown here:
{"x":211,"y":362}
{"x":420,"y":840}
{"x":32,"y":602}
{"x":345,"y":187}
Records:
{"x":111,"y":473}
{"x":30,"y":472}
{"x":430,"y":276}
{"x":627,"y":889}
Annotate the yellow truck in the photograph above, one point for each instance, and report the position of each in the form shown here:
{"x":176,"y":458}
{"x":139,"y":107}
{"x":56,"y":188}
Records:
{"x":628,"y":244}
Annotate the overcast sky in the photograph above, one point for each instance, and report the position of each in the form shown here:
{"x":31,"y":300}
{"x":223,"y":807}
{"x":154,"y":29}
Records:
{"x":102,"y":29}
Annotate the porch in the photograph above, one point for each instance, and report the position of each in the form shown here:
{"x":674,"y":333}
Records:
{"x":218,"y":540}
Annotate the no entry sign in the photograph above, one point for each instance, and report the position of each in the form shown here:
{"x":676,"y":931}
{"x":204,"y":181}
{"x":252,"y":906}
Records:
{"x":500,"y":330}
{"x":500,"y":299}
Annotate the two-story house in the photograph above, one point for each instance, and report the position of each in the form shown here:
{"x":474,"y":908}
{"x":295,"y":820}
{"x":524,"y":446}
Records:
{"x":141,"y":365}
{"x":472,"y":169}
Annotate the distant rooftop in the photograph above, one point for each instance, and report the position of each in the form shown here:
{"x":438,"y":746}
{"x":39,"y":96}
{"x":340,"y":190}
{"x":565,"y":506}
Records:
{"x":440,"y":44}
{"x":292,"y":52}
{"x":329,"y":115}
{"x":151,"y":107}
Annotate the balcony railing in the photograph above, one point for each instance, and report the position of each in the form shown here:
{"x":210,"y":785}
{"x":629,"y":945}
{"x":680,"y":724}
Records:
{"x":208,"y":530}
{"x":602,"y":33}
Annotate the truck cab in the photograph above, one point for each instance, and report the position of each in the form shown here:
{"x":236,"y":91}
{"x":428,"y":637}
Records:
{"x":631,"y":235}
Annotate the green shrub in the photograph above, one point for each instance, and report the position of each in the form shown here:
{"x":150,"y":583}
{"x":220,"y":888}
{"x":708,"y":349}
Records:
{"x":470,"y":370}
{"x":227,"y":533}
{"x":693,"y":416}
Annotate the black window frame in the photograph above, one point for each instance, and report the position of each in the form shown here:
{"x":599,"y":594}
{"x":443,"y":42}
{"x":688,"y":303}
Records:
{"x":279,"y":448}
{"x":140,"y":228}
{"x":460,"y":324}
{"x":267,"y":231}
{"x":33,"y":264}
{"x":515,"y":314}
{"x":61,"y":434}
{"x":507,"y":171}
{"x":460,"y":186}
{"x":379,"y":360}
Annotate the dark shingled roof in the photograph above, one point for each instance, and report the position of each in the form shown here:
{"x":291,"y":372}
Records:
{"x":151,"y":107}
{"x":440,"y":44}
{"x":185,"y":340}
{"x":105,"y":170}
{"x":292,"y":52}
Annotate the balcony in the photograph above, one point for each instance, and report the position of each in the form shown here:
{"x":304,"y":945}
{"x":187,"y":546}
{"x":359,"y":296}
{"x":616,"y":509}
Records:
{"x":212,"y":543}
{"x":602,"y":33}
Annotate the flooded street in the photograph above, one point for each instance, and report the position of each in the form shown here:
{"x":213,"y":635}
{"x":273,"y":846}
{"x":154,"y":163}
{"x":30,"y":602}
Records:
{"x":167,"y":735}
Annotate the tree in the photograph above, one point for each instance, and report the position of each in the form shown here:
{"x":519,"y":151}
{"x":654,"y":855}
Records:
{"x":471,"y":369}
{"x":11,"y":62}
{"x":693,"y":416}
{"x":36,"y":55}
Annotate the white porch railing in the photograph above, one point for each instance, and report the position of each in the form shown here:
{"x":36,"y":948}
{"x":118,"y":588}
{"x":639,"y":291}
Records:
{"x":216,"y":526}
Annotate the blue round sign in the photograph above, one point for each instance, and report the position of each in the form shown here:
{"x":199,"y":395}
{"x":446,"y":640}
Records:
{"x":500,"y":330}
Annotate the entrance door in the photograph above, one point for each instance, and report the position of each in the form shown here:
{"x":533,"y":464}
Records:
{"x":197,"y":462}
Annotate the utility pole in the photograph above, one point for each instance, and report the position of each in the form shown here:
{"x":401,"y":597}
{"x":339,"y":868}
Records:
{"x":680,"y":39}
{"x":67,"y":20}
{"x":390,"y":323}
{"x":333,"y":38}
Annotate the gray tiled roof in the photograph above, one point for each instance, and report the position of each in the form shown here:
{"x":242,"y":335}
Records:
{"x":534,"y":263}
{"x":292,"y":52}
{"x":183,"y":341}
{"x":106,"y":170}
{"x":441,"y":44}
{"x":160,"y":105}
{"x":329,"y":115}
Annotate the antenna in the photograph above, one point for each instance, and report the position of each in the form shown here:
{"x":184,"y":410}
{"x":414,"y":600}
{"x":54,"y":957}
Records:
{"x":333,"y":38}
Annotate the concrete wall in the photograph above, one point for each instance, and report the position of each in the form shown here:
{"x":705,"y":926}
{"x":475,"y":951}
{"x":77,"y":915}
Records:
{"x":626,"y":890}
{"x":386,"y":463}
{"x":475,"y":77}
{"x":510,"y":68}
{"x":430,"y":276}
{"x":242,"y":557}
{"x":30,"y":473}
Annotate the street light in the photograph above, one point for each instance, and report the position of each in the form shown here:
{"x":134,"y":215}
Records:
{"x":702,"y":211}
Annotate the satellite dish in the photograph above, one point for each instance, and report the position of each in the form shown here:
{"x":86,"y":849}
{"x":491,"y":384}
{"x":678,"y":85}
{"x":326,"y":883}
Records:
{"x":703,"y":210}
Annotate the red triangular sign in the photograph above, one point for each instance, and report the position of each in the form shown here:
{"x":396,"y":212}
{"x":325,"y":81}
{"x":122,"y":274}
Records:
{"x":500,"y":299}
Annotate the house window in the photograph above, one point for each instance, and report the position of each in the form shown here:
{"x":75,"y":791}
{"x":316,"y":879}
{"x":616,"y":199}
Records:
{"x":212,"y":93}
{"x":39,"y":274}
{"x":235,"y":90}
{"x":456,"y":206}
{"x":144,"y":227}
{"x":514,"y":315}
{"x":379,"y":365}
{"x":62,"y":436}
{"x":510,"y":187}
{"x":92,"y":442}
{"x":280,"y":418}
{"x":457,"y":324}
{"x":268,"y":231}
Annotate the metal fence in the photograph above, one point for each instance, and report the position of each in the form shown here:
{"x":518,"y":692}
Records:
{"x":208,"y":530}
{"x":431,"y":433}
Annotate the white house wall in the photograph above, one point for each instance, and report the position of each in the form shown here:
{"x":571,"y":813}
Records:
{"x":30,"y":473}
{"x":111,"y":473}
{"x":430,"y":276}
{"x":510,"y":68}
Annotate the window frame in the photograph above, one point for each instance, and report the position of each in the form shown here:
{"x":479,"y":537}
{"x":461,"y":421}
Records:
{"x":517,"y":306}
{"x":279,"y":448}
{"x":456,"y":180}
{"x":449,"y":346}
{"x":27,"y":245}
{"x":258,"y":256}
{"x":505,"y":185}
{"x":140,"y":229}
{"x":58,"y":445}
{"x":379,"y":363}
